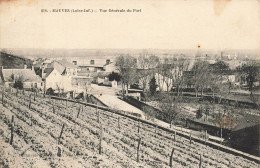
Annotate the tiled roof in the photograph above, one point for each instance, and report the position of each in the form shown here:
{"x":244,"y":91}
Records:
{"x":59,"y":67}
{"x":247,"y":121}
{"x":47,"y":72}
{"x":76,"y":80}
{"x":54,"y":65}
{"x":93,"y":65}
{"x":66,"y":64}
{"x":27,"y":74}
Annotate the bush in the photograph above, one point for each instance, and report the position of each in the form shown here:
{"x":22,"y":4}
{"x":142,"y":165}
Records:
{"x":50,"y":91}
{"x":153,"y":85}
{"x":18,"y":84}
{"x":114,"y":76}
{"x":199,"y":113}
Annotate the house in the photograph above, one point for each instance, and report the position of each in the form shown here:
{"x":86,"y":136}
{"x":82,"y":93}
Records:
{"x":163,"y":82}
{"x":164,"y":77}
{"x":245,"y":136}
{"x":27,"y":76}
{"x":62,"y":76}
{"x":220,"y":70}
{"x":101,"y":78}
{"x":92,"y":68}
{"x":114,"y":84}
{"x":110,"y":67}
{"x":81,"y":84}
{"x":94,"y":65}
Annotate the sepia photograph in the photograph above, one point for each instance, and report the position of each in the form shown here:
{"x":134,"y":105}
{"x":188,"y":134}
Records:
{"x":127,"y":83}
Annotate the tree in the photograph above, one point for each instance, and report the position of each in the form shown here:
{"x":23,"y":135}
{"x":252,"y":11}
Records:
{"x":251,"y":72}
{"x":220,"y":66}
{"x":179,"y":79}
{"x":114,"y":76}
{"x":153,"y":85}
{"x":200,"y":76}
{"x":126,"y":65}
{"x":165,"y":73}
{"x":169,"y":105}
{"x":58,"y":88}
{"x":199,"y":113}
{"x":226,"y":119}
{"x":38,"y":71}
{"x":146,"y":64}
{"x":159,"y":81}
{"x":50,"y":91}
{"x":213,"y":83}
{"x":19,"y":82}
{"x":207,"y":110}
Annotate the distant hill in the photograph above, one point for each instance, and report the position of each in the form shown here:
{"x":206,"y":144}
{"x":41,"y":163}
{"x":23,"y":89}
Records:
{"x":105,"y":53}
{"x":12,"y":61}
{"x":8,"y":61}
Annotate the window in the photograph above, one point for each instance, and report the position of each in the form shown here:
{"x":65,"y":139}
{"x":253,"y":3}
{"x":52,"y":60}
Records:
{"x":92,"y":62}
{"x":74,"y":62}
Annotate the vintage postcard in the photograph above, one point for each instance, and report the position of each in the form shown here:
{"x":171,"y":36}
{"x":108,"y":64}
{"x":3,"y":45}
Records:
{"x":120,"y":83}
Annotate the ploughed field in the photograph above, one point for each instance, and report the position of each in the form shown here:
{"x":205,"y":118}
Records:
{"x":57,"y":133}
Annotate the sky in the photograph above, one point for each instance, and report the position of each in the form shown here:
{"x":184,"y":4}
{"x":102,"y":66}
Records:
{"x":161,"y":24}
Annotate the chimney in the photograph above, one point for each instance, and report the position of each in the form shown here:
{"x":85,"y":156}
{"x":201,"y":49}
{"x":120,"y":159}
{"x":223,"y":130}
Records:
{"x":74,"y":62}
{"x":107,"y":61}
{"x":32,"y":68}
{"x":25,"y":66}
{"x":43,"y":72}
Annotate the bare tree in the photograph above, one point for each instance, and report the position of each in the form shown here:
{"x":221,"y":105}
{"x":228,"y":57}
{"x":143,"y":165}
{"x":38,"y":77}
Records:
{"x":158,"y":78}
{"x":169,"y":105}
{"x":179,"y":80}
{"x":59,"y":89}
{"x":146,"y":65}
{"x":126,"y":66}
{"x":251,"y":73}
{"x":19,"y":82}
{"x":226,"y":118}
{"x":167,"y":70}
{"x":200,"y":76}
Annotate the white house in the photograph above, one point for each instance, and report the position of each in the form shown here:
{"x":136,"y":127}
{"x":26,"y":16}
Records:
{"x":114,"y":84}
{"x":27,"y":76}
{"x":164,"y":83}
{"x":58,"y":75}
{"x":110,"y":67}
{"x":229,"y":78}
{"x":164,"y":80}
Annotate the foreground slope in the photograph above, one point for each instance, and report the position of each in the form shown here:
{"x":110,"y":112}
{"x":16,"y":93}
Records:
{"x":40,"y":141}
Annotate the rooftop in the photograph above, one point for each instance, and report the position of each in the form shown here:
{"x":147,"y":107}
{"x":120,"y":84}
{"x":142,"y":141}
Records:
{"x":28,"y":75}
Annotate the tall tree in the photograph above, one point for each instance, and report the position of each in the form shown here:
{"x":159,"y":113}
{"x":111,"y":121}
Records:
{"x":251,"y":72}
{"x":179,"y":79}
{"x":153,"y":85}
{"x":170,"y":107}
{"x":146,"y":65}
{"x":114,"y":76}
{"x":200,"y":76}
{"x":126,"y":65}
{"x":19,"y":81}
{"x":167,"y":70}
